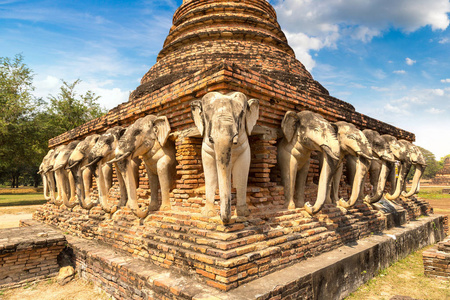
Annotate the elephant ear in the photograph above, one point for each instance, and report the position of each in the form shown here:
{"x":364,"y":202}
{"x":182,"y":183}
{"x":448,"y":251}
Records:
{"x":252,"y":115}
{"x":161,"y":127}
{"x":289,"y":125}
{"x":197,"y":115}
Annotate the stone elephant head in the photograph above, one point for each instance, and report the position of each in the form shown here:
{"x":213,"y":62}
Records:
{"x":400,"y":151}
{"x":225,"y":121}
{"x":147,"y":138}
{"x":46,"y":181}
{"x":419,"y":162}
{"x":100,"y":154}
{"x":305,"y":132}
{"x":64,"y":180}
{"x":82,"y":176}
{"x":357,"y":151}
{"x":380,"y":166}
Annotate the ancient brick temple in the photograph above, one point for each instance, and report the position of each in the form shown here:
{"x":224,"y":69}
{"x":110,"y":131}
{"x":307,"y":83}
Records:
{"x":443,"y":176}
{"x":225,"y":46}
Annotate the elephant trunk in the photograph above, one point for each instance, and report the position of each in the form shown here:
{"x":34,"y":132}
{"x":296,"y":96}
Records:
{"x":73,"y":195}
{"x":357,"y":182}
{"x":404,"y":168}
{"x":86,"y":183}
{"x":224,"y":180}
{"x":328,"y":168}
{"x":129,"y":172}
{"x":382,"y":178}
{"x":45,"y":183}
{"x":415,"y":183}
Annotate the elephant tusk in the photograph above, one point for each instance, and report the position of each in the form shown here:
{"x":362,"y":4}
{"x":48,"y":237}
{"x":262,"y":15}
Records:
{"x":360,"y":153}
{"x":57,"y":168}
{"x":329,"y":152}
{"x":68,"y":167}
{"x":96,"y":160}
{"x":117,"y":159}
{"x":384,"y":157}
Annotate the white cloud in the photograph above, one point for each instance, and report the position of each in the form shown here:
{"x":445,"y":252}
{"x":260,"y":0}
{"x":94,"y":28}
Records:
{"x":444,"y":41}
{"x":437,"y":92}
{"x":330,"y":20}
{"x":445,"y":80}
{"x":435,"y":111}
{"x":380,"y":89}
{"x":399,"y":72}
{"x":399,"y":110}
{"x":409,"y":61}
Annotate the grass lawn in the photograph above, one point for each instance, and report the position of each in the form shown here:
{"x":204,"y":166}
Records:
{"x":21,"y":199}
{"x":404,"y":278}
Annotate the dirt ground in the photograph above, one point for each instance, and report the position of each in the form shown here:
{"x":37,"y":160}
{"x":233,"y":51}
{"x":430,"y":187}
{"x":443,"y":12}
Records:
{"x":10,"y":216}
{"x":77,"y":289}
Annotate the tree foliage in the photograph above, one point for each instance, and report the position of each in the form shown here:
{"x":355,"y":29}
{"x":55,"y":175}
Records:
{"x":432,"y":168}
{"x":27,"y":122}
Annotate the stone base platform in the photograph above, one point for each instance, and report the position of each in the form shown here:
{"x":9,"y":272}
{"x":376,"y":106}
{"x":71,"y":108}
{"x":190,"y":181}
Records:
{"x":226,"y":257}
{"x":332,"y":275}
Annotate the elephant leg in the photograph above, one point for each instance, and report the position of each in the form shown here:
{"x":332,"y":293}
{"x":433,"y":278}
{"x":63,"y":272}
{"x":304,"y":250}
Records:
{"x":240,"y":171}
{"x":300,"y":184}
{"x":122,"y":188}
{"x":52,"y":184}
{"x":211,"y":182}
{"x":357,"y":182}
{"x":335,"y":184}
{"x":153,"y":181}
{"x":165,"y":179}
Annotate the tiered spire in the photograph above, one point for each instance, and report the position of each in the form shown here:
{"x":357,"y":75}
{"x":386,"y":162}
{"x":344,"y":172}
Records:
{"x":208,"y":32}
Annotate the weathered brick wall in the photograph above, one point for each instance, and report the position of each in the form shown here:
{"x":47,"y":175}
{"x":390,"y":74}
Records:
{"x":223,"y":256}
{"x":28,"y":253}
{"x":436,"y":261}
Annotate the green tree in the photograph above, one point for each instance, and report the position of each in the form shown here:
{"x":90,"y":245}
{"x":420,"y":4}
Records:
{"x":432,"y":168}
{"x":68,"y":110}
{"x":18,"y":108}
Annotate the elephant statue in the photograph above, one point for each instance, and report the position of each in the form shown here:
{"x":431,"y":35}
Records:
{"x":380,"y":166}
{"x":147,"y":138}
{"x":225,"y":121}
{"x":305,"y":132}
{"x":47,"y":182}
{"x":402,"y":153}
{"x":358,"y":153}
{"x":83,"y":178}
{"x":420,"y":164}
{"x":64,"y":179}
{"x":98,"y":158}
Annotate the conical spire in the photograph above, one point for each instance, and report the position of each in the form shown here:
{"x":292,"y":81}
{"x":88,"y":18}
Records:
{"x":208,"y":32}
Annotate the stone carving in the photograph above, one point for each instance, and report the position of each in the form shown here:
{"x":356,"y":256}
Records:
{"x":101,"y":153}
{"x":401,"y":152}
{"x":64,"y":180}
{"x":418,"y":160}
{"x":47,"y":182}
{"x":358,"y":153}
{"x":147,"y":138}
{"x":305,"y":132}
{"x":82,"y":176}
{"x":380,"y":166}
{"x":225,"y":121}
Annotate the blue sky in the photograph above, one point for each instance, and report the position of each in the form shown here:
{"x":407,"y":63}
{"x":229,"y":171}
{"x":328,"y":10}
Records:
{"x":390,"y":59}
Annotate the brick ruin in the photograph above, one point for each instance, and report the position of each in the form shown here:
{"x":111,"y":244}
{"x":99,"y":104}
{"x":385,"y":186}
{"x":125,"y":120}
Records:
{"x":227,"y":46}
{"x":443,"y":176}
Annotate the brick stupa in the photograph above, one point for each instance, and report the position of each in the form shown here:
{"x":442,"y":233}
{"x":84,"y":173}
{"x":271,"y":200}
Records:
{"x":443,"y":176}
{"x":225,"y":46}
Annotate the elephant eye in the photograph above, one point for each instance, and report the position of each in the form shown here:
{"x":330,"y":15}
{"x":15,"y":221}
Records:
{"x":352,"y":137}
{"x":136,"y":133}
{"x":317,"y":129}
